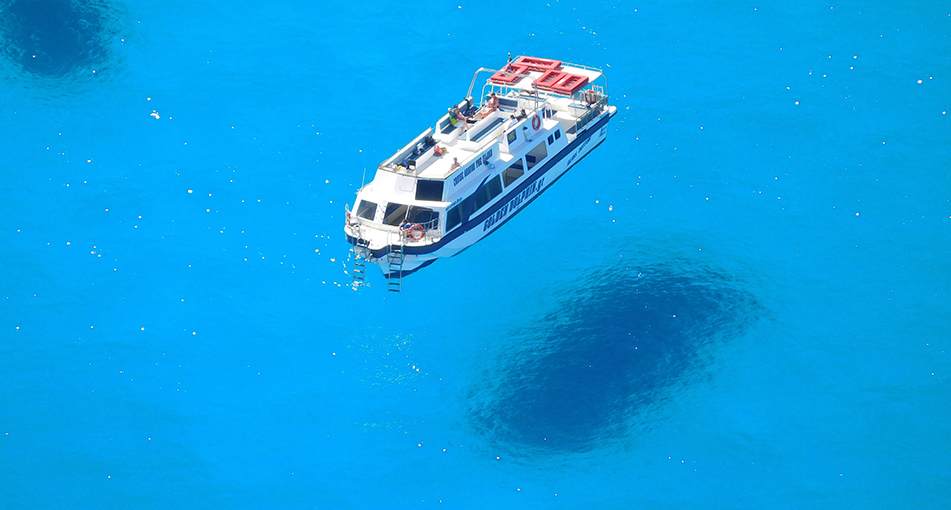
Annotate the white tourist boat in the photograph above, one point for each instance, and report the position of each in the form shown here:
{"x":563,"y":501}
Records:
{"x":485,"y":160}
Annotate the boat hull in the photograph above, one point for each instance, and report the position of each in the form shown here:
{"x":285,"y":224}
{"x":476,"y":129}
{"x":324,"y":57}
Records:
{"x":502,"y":210}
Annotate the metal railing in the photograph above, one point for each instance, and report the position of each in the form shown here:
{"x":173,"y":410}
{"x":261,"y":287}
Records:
{"x":595,"y":111}
{"x":430,"y":234}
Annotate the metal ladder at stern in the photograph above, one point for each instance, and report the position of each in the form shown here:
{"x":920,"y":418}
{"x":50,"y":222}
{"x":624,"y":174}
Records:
{"x":361,"y":253}
{"x":394,"y":259}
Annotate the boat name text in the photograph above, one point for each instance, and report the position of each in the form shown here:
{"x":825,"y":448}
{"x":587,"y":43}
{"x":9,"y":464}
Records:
{"x":579,"y":151}
{"x":513,"y":204}
{"x":481,"y":160}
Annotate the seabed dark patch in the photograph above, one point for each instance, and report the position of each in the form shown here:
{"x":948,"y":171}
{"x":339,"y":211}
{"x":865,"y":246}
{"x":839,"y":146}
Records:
{"x":56,"y":38}
{"x":616,"y":346}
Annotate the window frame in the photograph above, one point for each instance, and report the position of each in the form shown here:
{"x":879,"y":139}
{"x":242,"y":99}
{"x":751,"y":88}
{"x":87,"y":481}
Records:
{"x":519,"y":167}
{"x":391,"y":212}
{"x":361,"y":209}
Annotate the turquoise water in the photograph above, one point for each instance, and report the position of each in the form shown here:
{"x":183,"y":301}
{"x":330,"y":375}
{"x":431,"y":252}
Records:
{"x":738,"y":301}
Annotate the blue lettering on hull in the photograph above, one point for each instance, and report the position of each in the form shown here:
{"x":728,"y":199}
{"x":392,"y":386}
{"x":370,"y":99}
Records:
{"x":579,"y":151}
{"x":482,"y":160}
{"x":513,"y":204}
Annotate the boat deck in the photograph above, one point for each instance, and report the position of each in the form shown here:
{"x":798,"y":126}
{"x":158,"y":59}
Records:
{"x":419,"y":159}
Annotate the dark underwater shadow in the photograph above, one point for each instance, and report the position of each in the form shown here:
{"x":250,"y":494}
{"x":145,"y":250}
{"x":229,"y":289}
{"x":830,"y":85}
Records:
{"x":618,"y":342}
{"x":57,"y":38}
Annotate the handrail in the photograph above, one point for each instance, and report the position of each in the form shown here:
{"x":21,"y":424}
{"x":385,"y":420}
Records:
{"x":582,"y":66}
{"x":594,"y":111}
{"x":428,"y":227}
{"x":476,"y":75}
{"x":432,"y":224}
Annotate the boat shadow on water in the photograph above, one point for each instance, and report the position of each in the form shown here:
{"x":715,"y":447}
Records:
{"x":619,"y":343}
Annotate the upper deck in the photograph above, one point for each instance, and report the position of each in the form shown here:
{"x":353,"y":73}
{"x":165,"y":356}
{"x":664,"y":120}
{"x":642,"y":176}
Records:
{"x":527,"y":86}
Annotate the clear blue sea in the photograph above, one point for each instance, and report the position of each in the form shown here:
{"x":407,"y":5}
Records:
{"x":740,"y":300}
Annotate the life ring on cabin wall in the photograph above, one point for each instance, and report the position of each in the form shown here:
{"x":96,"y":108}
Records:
{"x":536,"y":122}
{"x":415,"y":233}
{"x":348,"y":218}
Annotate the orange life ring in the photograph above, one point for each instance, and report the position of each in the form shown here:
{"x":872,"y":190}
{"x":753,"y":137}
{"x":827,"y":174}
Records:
{"x":536,"y":122}
{"x":348,"y":218}
{"x":415,"y":233}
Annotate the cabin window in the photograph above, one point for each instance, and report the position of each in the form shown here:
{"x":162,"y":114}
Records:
{"x":486,"y":193}
{"x":551,"y":139}
{"x":536,"y":155}
{"x":454,"y":216}
{"x":557,"y":134}
{"x":512,"y":173}
{"x":394,"y":213}
{"x":366,"y":210}
{"x":481,"y":197}
{"x":424,"y":216}
{"x":429,"y":190}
